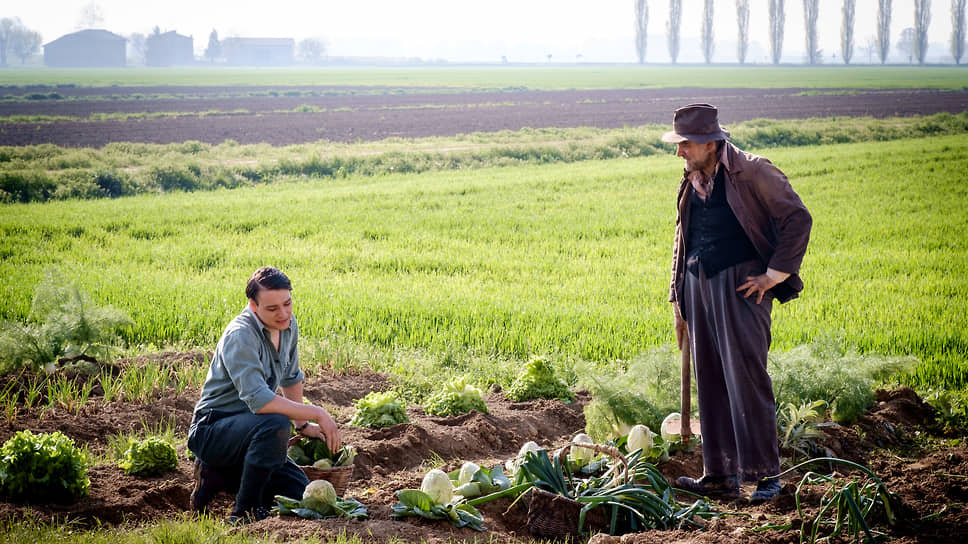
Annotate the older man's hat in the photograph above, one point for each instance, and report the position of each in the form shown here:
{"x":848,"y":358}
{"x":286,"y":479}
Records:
{"x":697,"y":123}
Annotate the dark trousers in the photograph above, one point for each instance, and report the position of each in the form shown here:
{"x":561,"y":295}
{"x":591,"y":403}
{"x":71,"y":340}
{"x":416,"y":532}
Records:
{"x":229,"y":442}
{"x":730,"y":339}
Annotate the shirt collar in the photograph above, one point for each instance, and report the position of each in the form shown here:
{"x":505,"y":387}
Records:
{"x":724,"y":158}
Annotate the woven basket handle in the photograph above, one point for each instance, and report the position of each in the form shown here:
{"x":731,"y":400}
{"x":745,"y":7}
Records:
{"x":607,"y":450}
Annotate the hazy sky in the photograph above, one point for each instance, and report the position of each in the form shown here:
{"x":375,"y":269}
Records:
{"x":461,"y":30}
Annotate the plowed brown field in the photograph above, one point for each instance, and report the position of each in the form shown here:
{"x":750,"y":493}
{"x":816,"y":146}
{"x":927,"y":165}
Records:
{"x":250,"y":115}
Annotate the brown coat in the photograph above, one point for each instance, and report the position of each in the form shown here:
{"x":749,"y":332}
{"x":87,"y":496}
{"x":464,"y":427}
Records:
{"x":770,"y":212}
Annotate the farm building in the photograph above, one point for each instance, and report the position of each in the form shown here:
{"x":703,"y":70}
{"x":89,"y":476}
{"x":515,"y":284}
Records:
{"x":169,"y":49}
{"x":259,"y":51}
{"x":86,"y":48}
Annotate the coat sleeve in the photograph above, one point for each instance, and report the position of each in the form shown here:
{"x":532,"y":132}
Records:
{"x":789,"y":222}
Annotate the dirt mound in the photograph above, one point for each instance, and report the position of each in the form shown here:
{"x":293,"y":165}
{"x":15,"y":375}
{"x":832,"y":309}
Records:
{"x":932,"y":481}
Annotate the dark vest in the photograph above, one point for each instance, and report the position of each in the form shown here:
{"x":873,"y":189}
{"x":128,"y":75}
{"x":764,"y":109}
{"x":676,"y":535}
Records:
{"x":715,"y":240}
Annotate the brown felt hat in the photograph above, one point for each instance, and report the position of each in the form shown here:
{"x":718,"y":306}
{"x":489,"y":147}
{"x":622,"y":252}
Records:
{"x":697,"y":123}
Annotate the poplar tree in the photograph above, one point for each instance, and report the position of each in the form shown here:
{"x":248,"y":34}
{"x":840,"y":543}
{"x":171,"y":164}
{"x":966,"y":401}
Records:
{"x":707,"y":31}
{"x":847,"y":31}
{"x":810,"y":12}
{"x":672,"y":28}
{"x":922,"y":18}
{"x":776,"y":29}
{"x":743,"y":25}
{"x":883,"y":29}
{"x":958,"y":29}
{"x":641,"y":28}
{"x":214,"y":49}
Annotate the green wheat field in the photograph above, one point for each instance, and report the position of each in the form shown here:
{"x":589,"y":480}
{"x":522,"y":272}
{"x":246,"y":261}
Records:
{"x":479,"y":269}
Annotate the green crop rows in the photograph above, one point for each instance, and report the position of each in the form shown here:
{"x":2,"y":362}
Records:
{"x":587,"y":76}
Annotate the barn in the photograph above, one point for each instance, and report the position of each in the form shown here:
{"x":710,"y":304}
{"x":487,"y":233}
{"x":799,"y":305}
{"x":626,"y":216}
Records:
{"x":259,"y":51}
{"x":169,"y":49}
{"x":86,"y":48}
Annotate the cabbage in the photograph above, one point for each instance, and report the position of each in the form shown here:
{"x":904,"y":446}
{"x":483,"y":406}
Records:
{"x":671,"y":427}
{"x":322,"y":490}
{"x":639,"y":438}
{"x":320,"y":496}
{"x":313,"y":451}
{"x":467,"y":472}
{"x":320,"y":501}
{"x":437,"y":486}
{"x":581,"y":456}
{"x":298,"y":455}
{"x":512,"y":464}
{"x":470,"y":489}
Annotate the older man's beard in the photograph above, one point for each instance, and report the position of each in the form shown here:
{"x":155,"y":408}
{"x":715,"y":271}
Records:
{"x":701,"y":182}
{"x":705,"y":164}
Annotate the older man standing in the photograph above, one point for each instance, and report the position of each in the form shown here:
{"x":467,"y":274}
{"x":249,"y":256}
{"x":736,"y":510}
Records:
{"x":741,"y":234}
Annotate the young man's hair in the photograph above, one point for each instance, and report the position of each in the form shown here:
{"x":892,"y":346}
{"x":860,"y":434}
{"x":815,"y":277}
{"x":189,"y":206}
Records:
{"x":266,"y":278}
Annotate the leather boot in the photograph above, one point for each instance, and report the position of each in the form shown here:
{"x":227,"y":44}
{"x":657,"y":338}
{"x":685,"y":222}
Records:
{"x":248,"y":502}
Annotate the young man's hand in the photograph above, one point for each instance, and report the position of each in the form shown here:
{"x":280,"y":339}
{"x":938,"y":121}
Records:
{"x":324,"y":429}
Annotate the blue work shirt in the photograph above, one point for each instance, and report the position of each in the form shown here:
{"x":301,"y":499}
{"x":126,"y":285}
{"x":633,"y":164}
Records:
{"x":246,"y":369}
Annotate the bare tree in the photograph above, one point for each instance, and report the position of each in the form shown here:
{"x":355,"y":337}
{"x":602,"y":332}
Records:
{"x":91,"y":16}
{"x":641,"y":28}
{"x":883,"y":29}
{"x":7,"y":26}
{"x":958,"y":29}
{"x":137,"y":47}
{"x":868,"y":49}
{"x":708,"y":45}
{"x":312,"y":50}
{"x":672,"y":28}
{"x":24,"y":43}
{"x":743,"y":24}
{"x":776,"y":29}
{"x":810,"y":12}
{"x":906,"y":43}
{"x":847,"y":31}
{"x":922,"y":18}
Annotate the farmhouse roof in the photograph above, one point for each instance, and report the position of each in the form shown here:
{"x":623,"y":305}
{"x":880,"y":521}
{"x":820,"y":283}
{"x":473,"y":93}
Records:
{"x":262,"y":41}
{"x":171,"y":34}
{"x":90,"y":34}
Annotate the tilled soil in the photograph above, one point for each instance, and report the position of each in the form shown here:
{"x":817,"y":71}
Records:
{"x":892,"y":438}
{"x":250,"y":115}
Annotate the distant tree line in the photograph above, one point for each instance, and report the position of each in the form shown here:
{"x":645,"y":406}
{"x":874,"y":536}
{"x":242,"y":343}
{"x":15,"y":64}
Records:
{"x":21,"y":42}
{"x":912,"y":42}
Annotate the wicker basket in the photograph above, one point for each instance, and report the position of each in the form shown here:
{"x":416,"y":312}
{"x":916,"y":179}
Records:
{"x":555,"y":516}
{"x":338,"y":476}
